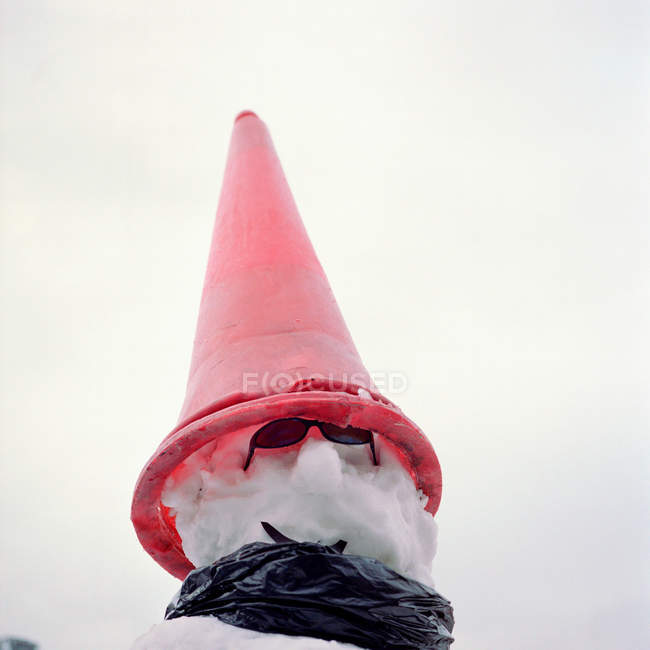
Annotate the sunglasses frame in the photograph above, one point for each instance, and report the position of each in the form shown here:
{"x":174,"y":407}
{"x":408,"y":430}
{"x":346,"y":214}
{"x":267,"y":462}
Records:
{"x":308,"y":425}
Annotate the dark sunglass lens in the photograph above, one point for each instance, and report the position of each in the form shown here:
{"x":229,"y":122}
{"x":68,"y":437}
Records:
{"x":280,"y":433}
{"x":347,"y":435}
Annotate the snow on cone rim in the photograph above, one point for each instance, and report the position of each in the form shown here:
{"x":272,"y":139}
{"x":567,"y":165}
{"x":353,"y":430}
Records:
{"x":154,"y":526}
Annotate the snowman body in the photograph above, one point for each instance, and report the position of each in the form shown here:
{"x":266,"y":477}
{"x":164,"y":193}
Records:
{"x":271,"y":345}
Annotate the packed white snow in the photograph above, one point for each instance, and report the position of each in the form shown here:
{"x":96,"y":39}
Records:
{"x":208,"y":633}
{"x":316,"y":491}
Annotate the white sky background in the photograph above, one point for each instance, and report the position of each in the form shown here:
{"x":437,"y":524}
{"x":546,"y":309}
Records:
{"x":474,"y":178}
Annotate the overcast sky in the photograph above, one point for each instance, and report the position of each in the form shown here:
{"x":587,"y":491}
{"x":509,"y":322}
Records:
{"x":474,"y":177}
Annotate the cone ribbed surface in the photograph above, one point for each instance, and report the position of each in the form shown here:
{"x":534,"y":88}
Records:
{"x":270,"y":343}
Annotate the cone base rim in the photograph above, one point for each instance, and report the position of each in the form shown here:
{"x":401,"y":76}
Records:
{"x":149,"y":516}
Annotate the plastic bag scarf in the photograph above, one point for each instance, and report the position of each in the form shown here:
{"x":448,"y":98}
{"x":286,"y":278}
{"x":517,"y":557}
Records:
{"x":307,"y":589}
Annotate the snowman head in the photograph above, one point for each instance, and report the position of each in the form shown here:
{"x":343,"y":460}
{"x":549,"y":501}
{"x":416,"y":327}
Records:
{"x":314,"y":490}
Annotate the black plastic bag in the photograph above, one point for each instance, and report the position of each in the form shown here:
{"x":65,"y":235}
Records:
{"x":307,"y":589}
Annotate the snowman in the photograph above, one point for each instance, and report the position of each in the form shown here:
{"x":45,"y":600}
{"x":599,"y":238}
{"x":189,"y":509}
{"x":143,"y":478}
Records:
{"x":294,"y":501}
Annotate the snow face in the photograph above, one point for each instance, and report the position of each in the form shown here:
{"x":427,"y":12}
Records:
{"x":315,"y":491}
{"x":207,"y":633}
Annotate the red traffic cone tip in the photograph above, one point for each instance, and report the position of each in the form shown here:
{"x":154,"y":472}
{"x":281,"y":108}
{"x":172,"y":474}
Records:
{"x":270,"y":343}
{"x":244,"y":114}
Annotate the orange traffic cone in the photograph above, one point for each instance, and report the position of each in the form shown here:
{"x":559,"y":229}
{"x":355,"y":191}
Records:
{"x":270,"y":343}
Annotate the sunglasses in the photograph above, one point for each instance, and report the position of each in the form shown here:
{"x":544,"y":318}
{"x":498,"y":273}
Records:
{"x":289,"y":431}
